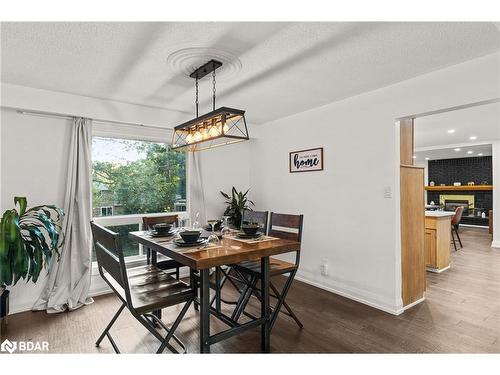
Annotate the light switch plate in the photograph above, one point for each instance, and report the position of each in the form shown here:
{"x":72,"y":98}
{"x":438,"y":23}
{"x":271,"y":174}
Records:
{"x":387,"y":192}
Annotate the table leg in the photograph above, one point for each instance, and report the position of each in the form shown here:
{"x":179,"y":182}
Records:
{"x":264,"y":306}
{"x":217,"y":289}
{"x":204,"y":310}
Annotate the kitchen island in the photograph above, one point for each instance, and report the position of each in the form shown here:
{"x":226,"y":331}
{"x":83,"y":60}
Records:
{"x":437,"y":240}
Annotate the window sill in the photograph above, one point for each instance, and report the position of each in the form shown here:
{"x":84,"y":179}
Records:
{"x":132,"y":219}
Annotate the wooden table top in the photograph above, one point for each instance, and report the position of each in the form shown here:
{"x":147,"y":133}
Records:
{"x":230,"y":250}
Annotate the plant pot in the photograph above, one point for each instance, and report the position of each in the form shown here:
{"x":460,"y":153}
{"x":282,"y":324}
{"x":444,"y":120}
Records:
{"x":4,"y":303}
{"x":4,"y":310}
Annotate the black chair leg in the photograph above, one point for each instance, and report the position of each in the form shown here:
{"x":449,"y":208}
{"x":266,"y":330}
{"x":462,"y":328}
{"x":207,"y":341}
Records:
{"x":292,"y":314}
{"x":173,"y":328}
{"x":281,"y":301}
{"x":458,"y":236}
{"x":106,"y":330}
{"x":194,"y":285}
{"x":453,"y":239}
{"x":244,"y":298}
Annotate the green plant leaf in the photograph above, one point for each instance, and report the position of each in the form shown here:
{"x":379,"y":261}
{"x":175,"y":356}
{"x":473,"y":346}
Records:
{"x":28,"y":240}
{"x":22,"y":201}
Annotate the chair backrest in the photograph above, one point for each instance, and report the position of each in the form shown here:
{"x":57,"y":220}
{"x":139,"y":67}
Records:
{"x":148,"y":222}
{"x":259,"y":217}
{"x":458,"y":215}
{"x":286,"y":226}
{"x":110,"y":258}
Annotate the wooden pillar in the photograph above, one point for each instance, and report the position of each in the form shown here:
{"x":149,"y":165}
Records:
{"x":412,"y":234}
{"x":407,"y":141}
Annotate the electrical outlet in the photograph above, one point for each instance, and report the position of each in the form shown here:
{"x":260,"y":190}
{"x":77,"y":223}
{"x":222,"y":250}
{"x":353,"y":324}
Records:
{"x":324,"y":269}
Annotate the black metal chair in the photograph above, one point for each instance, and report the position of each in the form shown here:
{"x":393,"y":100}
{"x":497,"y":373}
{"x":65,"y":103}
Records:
{"x":259,"y":217}
{"x":142,"y":290}
{"x":455,"y":223}
{"x":282,"y":226}
{"x":223,"y":275}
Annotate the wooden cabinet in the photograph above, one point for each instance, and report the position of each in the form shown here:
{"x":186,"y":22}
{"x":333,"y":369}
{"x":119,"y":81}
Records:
{"x":437,"y":243}
{"x":430,"y":247}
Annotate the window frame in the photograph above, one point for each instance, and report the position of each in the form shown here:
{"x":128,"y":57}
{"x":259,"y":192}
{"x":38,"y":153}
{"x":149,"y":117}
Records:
{"x":136,"y":133}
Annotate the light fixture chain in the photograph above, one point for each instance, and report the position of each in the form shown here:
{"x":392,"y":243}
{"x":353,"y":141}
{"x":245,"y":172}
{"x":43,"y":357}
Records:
{"x":196,"y":100}
{"x":213,"y":87}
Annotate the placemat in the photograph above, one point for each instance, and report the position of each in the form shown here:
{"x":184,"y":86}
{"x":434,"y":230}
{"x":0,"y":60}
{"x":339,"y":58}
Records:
{"x":254,"y":240}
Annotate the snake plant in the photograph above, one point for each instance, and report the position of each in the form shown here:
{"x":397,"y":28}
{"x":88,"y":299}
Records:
{"x":28,"y":240}
{"x":236,"y":203}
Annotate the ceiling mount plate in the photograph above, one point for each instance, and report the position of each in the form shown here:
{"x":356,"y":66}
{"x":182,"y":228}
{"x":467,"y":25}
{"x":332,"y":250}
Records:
{"x":208,"y":68}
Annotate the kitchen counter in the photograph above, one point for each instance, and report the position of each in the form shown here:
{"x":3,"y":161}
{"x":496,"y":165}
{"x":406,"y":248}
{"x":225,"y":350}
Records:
{"x":438,"y":213}
{"x":437,"y":240}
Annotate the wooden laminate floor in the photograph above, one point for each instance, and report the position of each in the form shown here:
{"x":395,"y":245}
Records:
{"x":461,"y":314}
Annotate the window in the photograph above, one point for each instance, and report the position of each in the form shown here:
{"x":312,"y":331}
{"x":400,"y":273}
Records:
{"x":136,"y":177}
{"x":131,"y":178}
{"x":107,"y":211}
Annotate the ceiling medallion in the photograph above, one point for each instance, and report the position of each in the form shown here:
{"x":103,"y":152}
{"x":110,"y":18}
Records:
{"x":219,"y":127}
{"x":186,"y":60}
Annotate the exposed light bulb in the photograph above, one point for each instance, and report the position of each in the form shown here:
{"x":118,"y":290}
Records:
{"x":189,"y":138}
{"x":204,"y":133}
{"x":197,"y":136}
{"x":225,"y":128}
{"x":213,"y":131}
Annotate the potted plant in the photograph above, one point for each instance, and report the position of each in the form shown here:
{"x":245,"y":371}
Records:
{"x":236,"y":203}
{"x":28,"y":240}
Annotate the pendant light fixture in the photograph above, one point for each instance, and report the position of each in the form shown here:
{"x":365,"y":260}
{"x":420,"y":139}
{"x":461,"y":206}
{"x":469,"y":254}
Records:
{"x":219,"y":127}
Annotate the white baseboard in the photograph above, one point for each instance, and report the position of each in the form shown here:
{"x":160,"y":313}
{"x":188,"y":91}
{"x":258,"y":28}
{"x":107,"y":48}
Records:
{"x":14,"y":309}
{"x":435,"y":270}
{"x":414,"y":303}
{"x":360,"y":296}
{"x":495,"y":244}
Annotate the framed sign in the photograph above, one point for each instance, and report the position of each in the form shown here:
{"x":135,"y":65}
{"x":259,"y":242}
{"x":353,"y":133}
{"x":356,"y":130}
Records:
{"x":306,"y":160}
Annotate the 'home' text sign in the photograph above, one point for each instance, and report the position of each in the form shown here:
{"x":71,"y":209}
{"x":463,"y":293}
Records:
{"x":306,"y":160}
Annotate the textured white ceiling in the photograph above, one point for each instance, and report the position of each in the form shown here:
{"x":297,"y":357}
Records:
{"x":285,"y":67}
{"x":450,"y":153}
{"x":482,"y":122}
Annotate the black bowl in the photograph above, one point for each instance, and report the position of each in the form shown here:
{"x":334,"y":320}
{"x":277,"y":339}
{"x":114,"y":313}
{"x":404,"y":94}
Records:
{"x":190,"y":236}
{"x":250,"y":229}
{"x":162,"y":228}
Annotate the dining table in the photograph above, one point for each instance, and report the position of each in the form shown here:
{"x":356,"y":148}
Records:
{"x":202,"y":259}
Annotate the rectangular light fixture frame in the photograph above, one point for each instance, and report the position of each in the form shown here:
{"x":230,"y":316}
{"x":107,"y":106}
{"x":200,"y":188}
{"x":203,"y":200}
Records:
{"x":229,"y":126}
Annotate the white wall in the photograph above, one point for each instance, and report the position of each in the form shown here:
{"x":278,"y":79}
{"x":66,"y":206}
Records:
{"x":33,"y":160}
{"x":348,"y":222}
{"x":223,"y":168}
{"x":496,"y":194}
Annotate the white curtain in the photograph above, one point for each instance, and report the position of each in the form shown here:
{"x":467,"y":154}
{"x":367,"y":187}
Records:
{"x":196,"y":191}
{"x":68,"y":283}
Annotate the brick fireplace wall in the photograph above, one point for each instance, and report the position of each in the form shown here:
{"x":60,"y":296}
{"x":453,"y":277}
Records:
{"x":463,"y":170}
